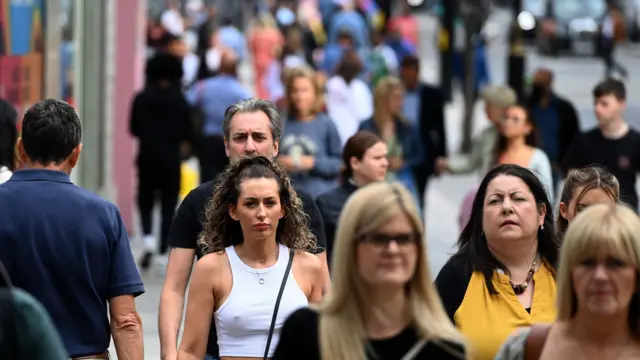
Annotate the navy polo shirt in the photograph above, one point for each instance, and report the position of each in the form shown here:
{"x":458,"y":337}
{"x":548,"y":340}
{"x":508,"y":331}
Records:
{"x":69,"y":249}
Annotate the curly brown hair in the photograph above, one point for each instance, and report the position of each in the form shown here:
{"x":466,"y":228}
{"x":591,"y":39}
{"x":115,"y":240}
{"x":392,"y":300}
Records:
{"x":221,"y":231}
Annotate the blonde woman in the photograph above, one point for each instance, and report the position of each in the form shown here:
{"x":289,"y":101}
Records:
{"x":310,"y":149}
{"x":383,"y":304}
{"x":403,"y":140}
{"x":598,"y":293}
{"x":265,"y":43}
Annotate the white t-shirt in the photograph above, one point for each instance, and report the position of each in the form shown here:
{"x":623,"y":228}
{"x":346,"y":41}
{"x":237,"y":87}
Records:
{"x":608,"y":27}
{"x":348,"y":105}
{"x":172,"y":21}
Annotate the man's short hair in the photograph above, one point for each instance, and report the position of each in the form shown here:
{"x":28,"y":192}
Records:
{"x":499,"y":95}
{"x":254,"y":105}
{"x":51,"y":130}
{"x":410,"y":61}
{"x":610,"y":87}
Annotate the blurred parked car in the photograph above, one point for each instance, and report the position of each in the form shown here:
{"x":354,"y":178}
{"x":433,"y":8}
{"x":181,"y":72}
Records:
{"x":571,"y":25}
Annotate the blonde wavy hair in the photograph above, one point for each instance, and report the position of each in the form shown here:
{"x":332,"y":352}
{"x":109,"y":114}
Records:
{"x":341,"y":314}
{"x":381,"y":99}
{"x":265,"y":21}
{"x":614,"y":228}
{"x":291,"y":75}
{"x":221,"y":231}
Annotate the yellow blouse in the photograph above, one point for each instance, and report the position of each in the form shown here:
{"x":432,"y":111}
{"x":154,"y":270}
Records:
{"x":487,"y":319}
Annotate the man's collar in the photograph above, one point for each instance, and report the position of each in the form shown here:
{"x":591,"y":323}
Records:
{"x":40,"y":175}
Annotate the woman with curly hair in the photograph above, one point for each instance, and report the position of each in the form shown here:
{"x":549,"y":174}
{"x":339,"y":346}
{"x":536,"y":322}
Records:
{"x":256,"y":271}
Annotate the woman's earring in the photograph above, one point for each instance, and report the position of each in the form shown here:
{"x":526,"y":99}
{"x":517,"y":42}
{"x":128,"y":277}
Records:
{"x":542,"y":227}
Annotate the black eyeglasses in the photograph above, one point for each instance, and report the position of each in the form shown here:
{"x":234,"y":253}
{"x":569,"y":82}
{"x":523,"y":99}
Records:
{"x":383,"y":240}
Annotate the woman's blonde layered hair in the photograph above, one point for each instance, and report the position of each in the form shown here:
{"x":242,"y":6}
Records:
{"x":342,"y":333}
{"x":611,"y":228}
{"x":306,"y":72}
{"x":381,"y":99}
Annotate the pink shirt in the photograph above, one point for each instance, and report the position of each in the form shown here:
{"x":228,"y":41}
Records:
{"x":408,"y":26}
{"x":264,"y":43}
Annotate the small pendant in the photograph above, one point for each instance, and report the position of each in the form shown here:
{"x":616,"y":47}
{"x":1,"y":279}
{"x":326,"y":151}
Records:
{"x":261,"y":281}
{"x":519,"y":289}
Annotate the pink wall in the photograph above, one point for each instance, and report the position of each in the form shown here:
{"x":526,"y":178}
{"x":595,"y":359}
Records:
{"x":129,"y":51}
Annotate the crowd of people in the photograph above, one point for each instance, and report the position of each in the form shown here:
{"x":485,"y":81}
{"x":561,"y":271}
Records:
{"x":306,"y":236}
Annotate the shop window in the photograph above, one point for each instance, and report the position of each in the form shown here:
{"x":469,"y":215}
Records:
{"x":21,"y":52}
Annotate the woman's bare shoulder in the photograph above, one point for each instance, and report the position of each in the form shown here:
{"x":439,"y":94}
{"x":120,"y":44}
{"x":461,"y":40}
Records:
{"x":308,"y":261}
{"x":212,"y":261}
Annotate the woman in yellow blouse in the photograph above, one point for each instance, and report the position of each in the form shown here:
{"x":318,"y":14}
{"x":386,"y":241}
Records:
{"x":503,"y":275}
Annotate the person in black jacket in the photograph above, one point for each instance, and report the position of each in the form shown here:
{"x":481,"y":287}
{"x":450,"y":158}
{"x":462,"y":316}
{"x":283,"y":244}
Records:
{"x":160,"y":120}
{"x":365,"y":161}
{"x":556,"y":119}
{"x":424,"y":107}
{"x":8,"y":136}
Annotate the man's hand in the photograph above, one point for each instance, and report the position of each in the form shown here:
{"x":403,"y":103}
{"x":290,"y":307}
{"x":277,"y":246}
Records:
{"x":304,"y":163}
{"x":307,"y":163}
{"x":287,"y":163}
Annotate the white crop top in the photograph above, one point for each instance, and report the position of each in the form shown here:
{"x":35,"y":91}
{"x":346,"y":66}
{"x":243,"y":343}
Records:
{"x":243,"y":320}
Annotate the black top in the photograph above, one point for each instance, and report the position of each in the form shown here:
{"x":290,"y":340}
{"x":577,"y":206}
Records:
{"x":158,"y":119}
{"x":330,"y":205}
{"x":431,"y":126}
{"x":299,"y":340}
{"x":568,"y":124}
{"x":620,"y":156}
{"x":187,"y":225}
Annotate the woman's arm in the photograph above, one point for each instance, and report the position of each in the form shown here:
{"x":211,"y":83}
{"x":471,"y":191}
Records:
{"x":541,"y":166}
{"x":329,"y":163}
{"x":199,"y":309}
{"x":313,"y":271}
{"x":319,"y":277}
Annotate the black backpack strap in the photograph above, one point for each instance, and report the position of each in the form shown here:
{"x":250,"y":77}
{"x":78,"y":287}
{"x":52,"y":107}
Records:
{"x":275,"y":310}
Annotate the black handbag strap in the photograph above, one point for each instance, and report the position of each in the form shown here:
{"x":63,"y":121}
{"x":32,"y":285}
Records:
{"x":275,"y":310}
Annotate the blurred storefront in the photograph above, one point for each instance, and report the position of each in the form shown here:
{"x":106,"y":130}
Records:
{"x":21,"y":52}
{"x":90,"y":54}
